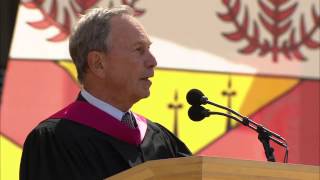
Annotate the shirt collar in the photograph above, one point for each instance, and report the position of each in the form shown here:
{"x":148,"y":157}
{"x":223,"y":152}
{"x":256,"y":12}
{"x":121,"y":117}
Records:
{"x":106,"y":107}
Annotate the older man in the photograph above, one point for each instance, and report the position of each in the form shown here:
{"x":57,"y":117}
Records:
{"x":97,"y":135}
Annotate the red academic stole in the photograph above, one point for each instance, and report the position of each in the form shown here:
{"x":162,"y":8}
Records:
{"x":89,"y":115}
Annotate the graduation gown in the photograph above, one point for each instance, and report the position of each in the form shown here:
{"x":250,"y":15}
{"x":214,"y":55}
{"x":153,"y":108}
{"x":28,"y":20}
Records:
{"x":64,"y":148}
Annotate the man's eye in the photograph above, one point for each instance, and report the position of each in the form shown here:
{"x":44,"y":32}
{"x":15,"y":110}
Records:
{"x":140,"y":50}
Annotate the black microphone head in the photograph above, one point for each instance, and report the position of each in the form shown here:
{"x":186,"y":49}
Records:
{"x":196,"y":97}
{"x":197,"y":113}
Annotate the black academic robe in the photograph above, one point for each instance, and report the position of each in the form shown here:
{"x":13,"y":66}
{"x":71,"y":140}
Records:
{"x":63,"y":149}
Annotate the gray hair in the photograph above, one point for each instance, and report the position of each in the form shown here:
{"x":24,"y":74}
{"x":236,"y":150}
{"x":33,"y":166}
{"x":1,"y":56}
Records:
{"x":91,"y":33}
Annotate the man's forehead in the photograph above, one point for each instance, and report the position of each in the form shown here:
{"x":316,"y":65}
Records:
{"x":127,"y":28}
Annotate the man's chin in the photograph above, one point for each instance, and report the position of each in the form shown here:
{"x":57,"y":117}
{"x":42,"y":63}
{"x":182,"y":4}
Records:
{"x":142,"y":95}
{"x":146,"y":94}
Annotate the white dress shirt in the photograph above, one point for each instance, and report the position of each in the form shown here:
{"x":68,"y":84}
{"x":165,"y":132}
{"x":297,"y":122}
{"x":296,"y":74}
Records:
{"x":108,"y":108}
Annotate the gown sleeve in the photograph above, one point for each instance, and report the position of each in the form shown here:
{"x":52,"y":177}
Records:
{"x":48,"y":156}
{"x":179,"y":148}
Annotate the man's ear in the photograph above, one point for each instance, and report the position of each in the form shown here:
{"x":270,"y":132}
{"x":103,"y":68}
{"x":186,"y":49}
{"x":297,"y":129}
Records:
{"x":96,"y":63}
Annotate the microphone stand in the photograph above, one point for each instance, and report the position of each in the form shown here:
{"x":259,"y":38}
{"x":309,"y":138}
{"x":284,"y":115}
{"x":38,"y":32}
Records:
{"x":264,"y":136}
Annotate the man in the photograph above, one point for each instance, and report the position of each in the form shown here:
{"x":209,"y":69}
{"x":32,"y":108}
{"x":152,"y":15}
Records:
{"x":98,"y":136}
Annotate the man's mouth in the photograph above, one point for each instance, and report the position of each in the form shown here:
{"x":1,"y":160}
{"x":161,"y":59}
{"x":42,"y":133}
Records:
{"x":147,"y":77}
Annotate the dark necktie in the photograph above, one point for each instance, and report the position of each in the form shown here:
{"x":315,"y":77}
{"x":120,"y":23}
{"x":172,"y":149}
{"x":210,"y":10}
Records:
{"x":128,"y":120}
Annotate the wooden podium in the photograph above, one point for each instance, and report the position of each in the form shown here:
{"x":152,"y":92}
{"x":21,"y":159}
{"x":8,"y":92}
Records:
{"x":218,"y":168}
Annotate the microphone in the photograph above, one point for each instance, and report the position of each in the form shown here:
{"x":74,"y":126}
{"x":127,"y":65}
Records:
{"x":198,"y":113}
{"x":196,"y":97}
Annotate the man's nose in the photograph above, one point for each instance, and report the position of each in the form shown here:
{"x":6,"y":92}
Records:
{"x":151,"y":60}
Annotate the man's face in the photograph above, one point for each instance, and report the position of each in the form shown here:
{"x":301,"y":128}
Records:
{"x":129,"y":63}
